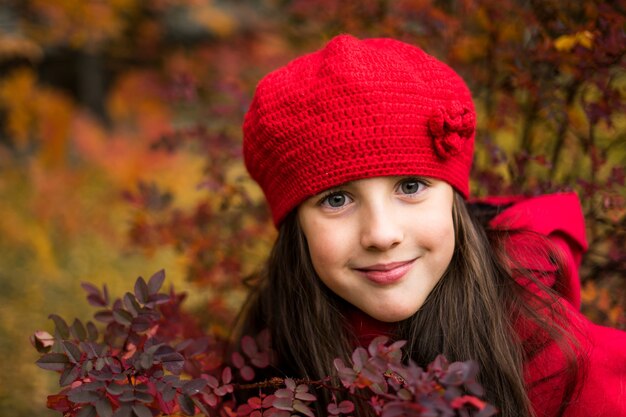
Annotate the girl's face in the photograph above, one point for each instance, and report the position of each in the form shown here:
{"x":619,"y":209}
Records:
{"x":381,"y":243}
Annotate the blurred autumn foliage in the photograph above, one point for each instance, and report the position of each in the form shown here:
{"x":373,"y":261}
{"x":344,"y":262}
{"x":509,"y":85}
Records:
{"x":120,"y":138}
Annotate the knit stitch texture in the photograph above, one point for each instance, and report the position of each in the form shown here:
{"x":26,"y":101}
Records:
{"x":357,"y":109}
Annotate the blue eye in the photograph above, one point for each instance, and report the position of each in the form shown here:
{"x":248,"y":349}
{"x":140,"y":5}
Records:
{"x":411,"y":186}
{"x":335,"y":200}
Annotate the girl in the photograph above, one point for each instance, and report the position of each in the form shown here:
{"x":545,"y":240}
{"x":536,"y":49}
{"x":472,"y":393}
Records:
{"x":363,"y":150}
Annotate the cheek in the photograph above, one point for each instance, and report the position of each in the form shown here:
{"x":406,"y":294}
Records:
{"x":320,"y":254}
{"x":326,"y":247}
{"x":437,"y":235}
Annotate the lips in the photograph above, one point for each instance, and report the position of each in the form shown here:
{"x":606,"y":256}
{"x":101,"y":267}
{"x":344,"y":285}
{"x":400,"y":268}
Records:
{"x":386,"y":273}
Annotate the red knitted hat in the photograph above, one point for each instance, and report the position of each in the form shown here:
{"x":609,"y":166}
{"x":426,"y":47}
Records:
{"x":357,"y":109}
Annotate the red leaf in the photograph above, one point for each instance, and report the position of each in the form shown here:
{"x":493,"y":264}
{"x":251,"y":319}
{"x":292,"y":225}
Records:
{"x":346,"y":407}
{"x":238,"y":360}
{"x":249,"y":347}
{"x":58,"y":402}
{"x":467,"y":399}
{"x":247,"y":373}
{"x":255,"y":403}
{"x":227,"y":375}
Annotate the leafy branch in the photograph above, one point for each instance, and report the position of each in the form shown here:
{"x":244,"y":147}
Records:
{"x":151,"y":360}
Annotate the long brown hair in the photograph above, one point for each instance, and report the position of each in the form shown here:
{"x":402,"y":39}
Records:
{"x":470,"y":314}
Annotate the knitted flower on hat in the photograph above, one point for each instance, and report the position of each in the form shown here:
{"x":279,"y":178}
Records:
{"x":357,"y":109}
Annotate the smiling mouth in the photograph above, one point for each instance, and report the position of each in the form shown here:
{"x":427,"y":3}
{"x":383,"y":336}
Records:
{"x":386,"y":273}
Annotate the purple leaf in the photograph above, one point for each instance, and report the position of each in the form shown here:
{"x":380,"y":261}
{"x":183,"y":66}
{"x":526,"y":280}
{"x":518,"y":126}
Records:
{"x":141,"y":324}
{"x":104,"y":316}
{"x":201,"y":407}
{"x":194,"y":386}
{"x":78,"y":395}
{"x":123,"y":317}
{"x":53,"y":361}
{"x":73,"y":352}
{"x":69,"y":375}
{"x":168,"y":393}
{"x":141,"y":290}
{"x":92,"y":332}
{"x":78,"y":330}
{"x":359,"y":358}
{"x":173,"y":362}
{"x":60,"y":325}
{"x":87,"y":411}
{"x":127,"y":396}
{"x":101,"y":375}
{"x":376,"y":344}
{"x":186,"y":405}
{"x":139,"y":410}
{"x":94,"y":296}
{"x":475,"y":388}
{"x":130,"y":302}
{"x":103,"y":408}
{"x":90,"y":288}
{"x":143,"y":397}
{"x":96,"y":300}
{"x":124,"y":411}
{"x":105,"y":291}
{"x":116,"y":389}
{"x":156,"y":281}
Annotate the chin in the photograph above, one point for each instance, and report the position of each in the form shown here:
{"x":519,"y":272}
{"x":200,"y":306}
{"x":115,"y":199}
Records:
{"x":392,"y":316}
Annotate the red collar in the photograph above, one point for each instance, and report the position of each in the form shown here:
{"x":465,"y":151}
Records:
{"x":365,"y":327}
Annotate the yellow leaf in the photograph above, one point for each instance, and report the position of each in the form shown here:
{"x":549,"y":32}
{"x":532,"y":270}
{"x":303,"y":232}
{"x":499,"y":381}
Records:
{"x":589,"y":292}
{"x":566,"y":43}
{"x":16,"y":98}
{"x":585,"y":39}
{"x":54,"y":115}
{"x":214,"y":19}
{"x":615,"y":314}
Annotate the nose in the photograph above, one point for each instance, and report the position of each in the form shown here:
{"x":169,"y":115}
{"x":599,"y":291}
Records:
{"x":381,"y":228}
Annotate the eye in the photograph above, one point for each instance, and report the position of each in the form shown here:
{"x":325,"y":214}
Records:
{"x":335,"y":199}
{"x":411,"y":186}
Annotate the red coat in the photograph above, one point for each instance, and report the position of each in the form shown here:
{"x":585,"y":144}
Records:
{"x":603,"y":387}
{"x":602,"y":390}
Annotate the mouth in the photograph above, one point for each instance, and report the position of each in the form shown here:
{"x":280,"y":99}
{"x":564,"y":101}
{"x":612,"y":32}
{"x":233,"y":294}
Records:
{"x":386,"y":273}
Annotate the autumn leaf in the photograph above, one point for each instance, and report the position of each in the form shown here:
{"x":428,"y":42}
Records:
{"x":566,"y":43}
